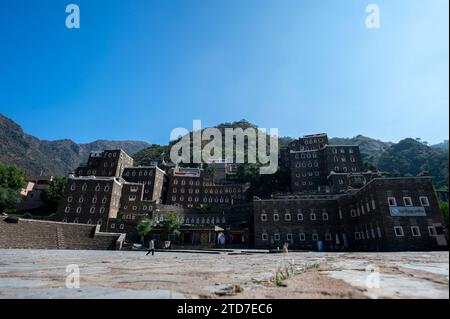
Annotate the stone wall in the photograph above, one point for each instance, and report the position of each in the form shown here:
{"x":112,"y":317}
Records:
{"x":33,"y":234}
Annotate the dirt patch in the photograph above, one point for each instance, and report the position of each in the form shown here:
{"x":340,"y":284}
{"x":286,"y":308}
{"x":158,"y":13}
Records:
{"x":308,"y":285}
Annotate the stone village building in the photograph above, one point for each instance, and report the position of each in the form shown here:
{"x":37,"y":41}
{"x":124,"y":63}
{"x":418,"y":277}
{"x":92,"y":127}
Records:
{"x":332,"y":200}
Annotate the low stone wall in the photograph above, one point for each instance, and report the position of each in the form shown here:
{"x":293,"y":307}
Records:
{"x":36,"y":234}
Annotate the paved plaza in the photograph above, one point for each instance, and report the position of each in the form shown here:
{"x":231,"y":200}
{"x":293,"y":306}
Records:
{"x":227,"y":274}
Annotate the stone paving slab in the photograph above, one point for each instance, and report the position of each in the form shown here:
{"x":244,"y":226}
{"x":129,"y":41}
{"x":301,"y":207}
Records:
{"x":131,"y":274}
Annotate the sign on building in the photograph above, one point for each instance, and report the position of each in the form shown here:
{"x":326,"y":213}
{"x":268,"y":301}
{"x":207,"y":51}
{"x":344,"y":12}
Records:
{"x":407,"y":211}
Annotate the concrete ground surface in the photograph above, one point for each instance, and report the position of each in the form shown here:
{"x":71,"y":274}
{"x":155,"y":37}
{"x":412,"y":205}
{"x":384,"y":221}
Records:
{"x":236,"y":274}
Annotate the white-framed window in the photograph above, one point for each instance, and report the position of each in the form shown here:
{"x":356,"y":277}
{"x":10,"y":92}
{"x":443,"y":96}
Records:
{"x":106,"y":188}
{"x":92,"y":210}
{"x":312,"y":216}
{"x":67,"y":209}
{"x":357,"y":235}
{"x":398,"y":230}
{"x":407,"y":201}
{"x":78,"y":210}
{"x":276,"y":237}
{"x":84,"y":187}
{"x":424,"y":201}
{"x":263,"y":217}
{"x":99,"y":222}
{"x":415,"y":230}
{"x":287,"y":217}
{"x":69,"y":199}
{"x":289,"y":237}
{"x":325,"y":216}
{"x":328,"y":237}
{"x":122,"y":226}
{"x":392,"y":201}
{"x":89,"y":222}
{"x":72,"y":187}
{"x":302,"y":236}
{"x":315,"y":237}
{"x":81,"y":199}
{"x":102,"y":210}
{"x":264,"y":236}
{"x":276,"y":217}
{"x":132,"y":198}
{"x":432,"y":231}
{"x":353,"y":213}
{"x":299,"y":216}
{"x":65,"y":220}
{"x":113,"y":226}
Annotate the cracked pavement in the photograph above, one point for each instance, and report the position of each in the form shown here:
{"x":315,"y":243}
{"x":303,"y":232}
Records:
{"x":131,"y":274}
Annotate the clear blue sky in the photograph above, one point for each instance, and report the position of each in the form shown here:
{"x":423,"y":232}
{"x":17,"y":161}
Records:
{"x":139,"y":68}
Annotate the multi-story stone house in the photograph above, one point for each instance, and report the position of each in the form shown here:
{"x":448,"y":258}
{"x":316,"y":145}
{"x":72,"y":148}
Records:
{"x":192,"y":187}
{"x":386,"y":214}
{"x":153,"y":178}
{"x":90,"y":200}
{"x":109,"y":163}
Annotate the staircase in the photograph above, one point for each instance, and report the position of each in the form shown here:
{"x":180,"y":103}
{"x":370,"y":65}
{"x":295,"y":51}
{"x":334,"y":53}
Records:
{"x":60,"y":243}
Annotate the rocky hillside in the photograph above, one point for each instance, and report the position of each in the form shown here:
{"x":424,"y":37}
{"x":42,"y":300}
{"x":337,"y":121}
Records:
{"x":50,"y":157}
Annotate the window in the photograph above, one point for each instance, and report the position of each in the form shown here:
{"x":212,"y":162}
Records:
{"x":84,"y":187}
{"x":325,"y":216}
{"x":432,"y":231}
{"x":113,"y":226}
{"x":289,"y":237}
{"x":398,"y":231}
{"x":81,"y":199}
{"x":106,"y":188}
{"x":353,"y":213}
{"x":69,"y":199}
{"x":392,"y":201}
{"x":276,"y":237}
{"x":132,"y":197}
{"x":72,"y":187}
{"x":357,"y":235}
{"x":300,"y":216}
{"x":92,"y":210}
{"x":424,"y":201}
{"x":263,"y":217}
{"x":315,"y":237}
{"x":415,"y":231}
{"x":302,"y":236}
{"x":99,"y":222}
{"x":276,"y":217}
{"x":122,"y":226}
{"x":407,"y":201}
{"x":312,"y":216}
{"x":328,"y":237}
{"x":102,"y":210}
{"x":287,"y":217}
{"x":89,"y":222}
{"x":67,"y":209}
{"x":78,"y":210}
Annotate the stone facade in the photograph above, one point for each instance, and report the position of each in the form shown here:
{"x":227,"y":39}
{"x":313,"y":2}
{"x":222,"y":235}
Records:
{"x":32,"y":234}
{"x":152,"y":177}
{"x":192,"y":187}
{"x":109,"y":163}
{"x":386,"y":214}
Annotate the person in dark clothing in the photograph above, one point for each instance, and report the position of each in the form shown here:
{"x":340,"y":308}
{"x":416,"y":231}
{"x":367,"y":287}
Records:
{"x":151,"y":247}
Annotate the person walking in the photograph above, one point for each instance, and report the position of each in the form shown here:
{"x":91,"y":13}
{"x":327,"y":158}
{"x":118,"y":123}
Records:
{"x":151,"y":247}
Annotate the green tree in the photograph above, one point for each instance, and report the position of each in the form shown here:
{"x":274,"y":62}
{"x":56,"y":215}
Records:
{"x":12,"y":179}
{"x":171,"y":223}
{"x":204,"y":208}
{"x":54,"y":193}
{"x":444,"y":209}
{"x":144,"y":227}
{"x":9,"y":199}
